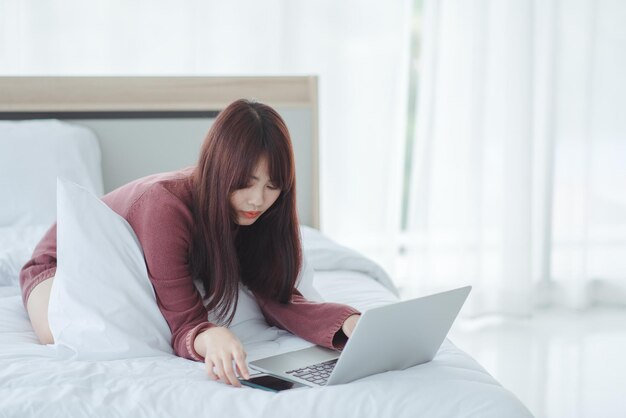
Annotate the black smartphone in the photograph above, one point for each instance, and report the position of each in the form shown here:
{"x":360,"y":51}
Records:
{"x":271,"y":383}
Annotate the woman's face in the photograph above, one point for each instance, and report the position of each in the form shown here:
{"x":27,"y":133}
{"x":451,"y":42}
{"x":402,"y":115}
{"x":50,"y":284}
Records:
{"x":260,"y":194}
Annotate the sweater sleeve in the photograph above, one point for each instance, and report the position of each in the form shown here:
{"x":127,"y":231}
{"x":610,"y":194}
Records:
{"x":163,"y":226}
{"x":42,"y":265}
{"x":319,"y":323}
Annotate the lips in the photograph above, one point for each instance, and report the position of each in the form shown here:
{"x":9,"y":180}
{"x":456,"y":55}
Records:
{"x":251,"y":215}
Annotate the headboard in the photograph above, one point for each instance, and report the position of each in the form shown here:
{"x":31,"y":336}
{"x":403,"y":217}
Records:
{"x":147,"y":125}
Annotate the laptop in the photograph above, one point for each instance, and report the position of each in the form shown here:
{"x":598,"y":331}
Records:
{"x":390,"y":337}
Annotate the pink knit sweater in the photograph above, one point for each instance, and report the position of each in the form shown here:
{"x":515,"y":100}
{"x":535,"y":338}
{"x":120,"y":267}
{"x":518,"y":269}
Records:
{"x":158,"y":208}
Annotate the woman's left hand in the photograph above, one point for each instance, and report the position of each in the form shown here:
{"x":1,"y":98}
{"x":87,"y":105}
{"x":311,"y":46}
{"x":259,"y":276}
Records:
{"x":349,"y":324}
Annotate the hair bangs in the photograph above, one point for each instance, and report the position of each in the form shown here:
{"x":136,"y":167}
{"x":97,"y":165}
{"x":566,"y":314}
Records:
{"x":280,"y":172}
{"x":278,"y":150}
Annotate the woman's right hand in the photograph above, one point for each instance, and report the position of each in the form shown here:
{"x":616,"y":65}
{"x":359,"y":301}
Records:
{"x":221,"y":347}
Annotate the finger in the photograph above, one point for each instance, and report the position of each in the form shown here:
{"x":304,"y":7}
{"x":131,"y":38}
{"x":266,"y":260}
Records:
{"x":242,"y":365}
{"x":230,"y":373}
{"x":209,"y":369}
{"x":219,"y":370}
{"x":241,"y":374}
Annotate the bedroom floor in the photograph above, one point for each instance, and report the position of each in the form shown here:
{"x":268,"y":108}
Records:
{"x":558,"y":363}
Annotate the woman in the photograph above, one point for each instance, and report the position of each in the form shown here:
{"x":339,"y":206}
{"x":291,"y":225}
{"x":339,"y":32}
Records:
{"x":232,"y":218}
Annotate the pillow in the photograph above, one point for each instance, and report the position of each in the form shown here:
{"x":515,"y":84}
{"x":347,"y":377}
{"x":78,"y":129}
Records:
{"x":102,"y":304}
{"x":32,"y":154}
{"x":325,"y":254}
{"x":248,"y":323}
{"x":304,"y":282}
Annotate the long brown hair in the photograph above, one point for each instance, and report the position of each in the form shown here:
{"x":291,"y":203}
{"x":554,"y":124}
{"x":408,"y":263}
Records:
{"x":265,"y":256}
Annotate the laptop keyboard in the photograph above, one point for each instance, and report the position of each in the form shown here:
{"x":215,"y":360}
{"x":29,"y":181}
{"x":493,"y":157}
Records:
{"x":316,"y":373}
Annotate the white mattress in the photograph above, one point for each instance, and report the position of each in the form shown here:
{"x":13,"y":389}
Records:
{"x":37,"y":380}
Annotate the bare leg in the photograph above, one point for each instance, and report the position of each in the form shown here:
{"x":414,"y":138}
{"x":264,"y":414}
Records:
{"x":37,"y":307}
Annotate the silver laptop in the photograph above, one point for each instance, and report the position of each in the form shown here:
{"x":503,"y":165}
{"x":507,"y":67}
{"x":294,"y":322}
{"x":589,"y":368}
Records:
{"x":390,"y":337}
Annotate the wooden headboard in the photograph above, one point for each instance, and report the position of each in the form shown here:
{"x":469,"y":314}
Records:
{"x":152,"y":124}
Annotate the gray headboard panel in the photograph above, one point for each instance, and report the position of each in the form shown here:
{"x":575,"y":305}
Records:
{"x":147,"y":125}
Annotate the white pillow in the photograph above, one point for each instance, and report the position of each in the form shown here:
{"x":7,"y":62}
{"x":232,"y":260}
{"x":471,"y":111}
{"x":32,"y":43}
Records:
{"x":248,"y":323}
{"x":304,"y":282}
{"x":325,"y":254}
{"x":102,"y":304}
{"x":32,"y":154}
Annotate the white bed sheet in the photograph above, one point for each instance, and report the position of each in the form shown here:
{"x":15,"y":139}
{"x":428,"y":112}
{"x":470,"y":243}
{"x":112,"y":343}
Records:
{"x":37,"y":380}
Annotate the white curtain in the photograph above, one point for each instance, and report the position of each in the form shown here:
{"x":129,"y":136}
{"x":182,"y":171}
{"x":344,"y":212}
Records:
{"x":358,"y":48}
{"x":519,"y":178}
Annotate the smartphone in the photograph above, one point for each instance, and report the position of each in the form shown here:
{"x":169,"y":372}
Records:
{"x":271,"y":383}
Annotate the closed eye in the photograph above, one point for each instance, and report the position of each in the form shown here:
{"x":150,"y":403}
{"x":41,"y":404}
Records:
{"x":251,"y":184}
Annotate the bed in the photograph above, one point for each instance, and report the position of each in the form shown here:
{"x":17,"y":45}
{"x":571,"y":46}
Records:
{"x":138,"y":126}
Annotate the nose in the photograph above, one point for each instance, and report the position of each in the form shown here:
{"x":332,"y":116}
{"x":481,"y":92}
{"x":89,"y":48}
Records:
{"x":256,"y":197}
